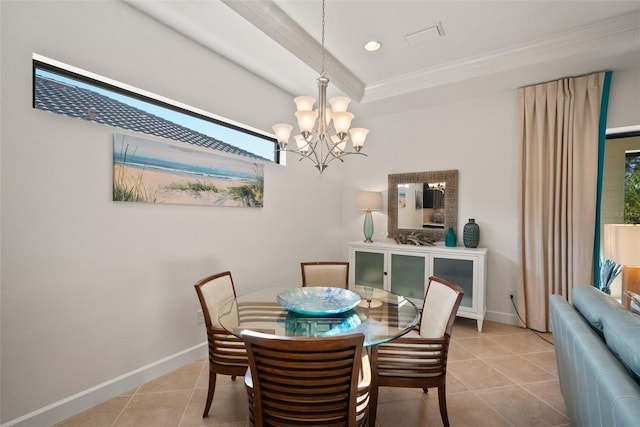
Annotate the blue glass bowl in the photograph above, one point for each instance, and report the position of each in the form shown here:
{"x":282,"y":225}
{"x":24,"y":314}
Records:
{"x":317,"y":300}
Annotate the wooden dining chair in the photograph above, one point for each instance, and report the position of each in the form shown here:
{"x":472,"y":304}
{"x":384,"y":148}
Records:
{"x":419,"y":358}
{"x":227,"y":353}
{"x":307,"y":381}
{"x":325,"y":273}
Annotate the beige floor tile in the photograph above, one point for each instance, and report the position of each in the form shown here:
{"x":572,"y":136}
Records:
{"x":521,"y":343}
{"x":130,"y":392}
{"x":483,"y":347}
{"x":410,"y":412}
{"x":549,"y":392}
{"x":155,"y":409}
{"x":458,"y":352}
{"x":545,"y":360}
{"x":464,"y":328}
{"x":100,"y":415}
{"x":477,"y":374}
{"x":481,"y":391}
{"x":184,"y":378}
{"x":229,"y":407}
{"x":453,"y":385}
{"x":519,"y":370}
{"x":468,"y":410}
{"x":495,"y":328}
{"x":521,"y":408}
{"x":398,"y":394}
{"x":203,"y":377}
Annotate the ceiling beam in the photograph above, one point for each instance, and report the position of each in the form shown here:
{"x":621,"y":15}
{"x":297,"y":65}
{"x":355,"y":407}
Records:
{"x":275,"y":23}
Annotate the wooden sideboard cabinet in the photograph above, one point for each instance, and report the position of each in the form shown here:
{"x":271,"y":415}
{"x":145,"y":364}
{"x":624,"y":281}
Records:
{"x":405,"y":270}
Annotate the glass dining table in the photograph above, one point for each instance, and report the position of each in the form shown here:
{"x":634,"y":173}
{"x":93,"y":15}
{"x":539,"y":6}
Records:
{"x":380,"y":315}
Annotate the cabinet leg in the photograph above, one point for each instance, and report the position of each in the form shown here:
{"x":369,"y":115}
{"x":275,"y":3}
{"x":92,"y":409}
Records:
{"x":479,"y":325}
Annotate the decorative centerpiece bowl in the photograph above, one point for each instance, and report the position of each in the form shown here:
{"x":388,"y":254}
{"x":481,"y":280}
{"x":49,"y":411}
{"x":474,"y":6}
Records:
{"x":318,"y":300}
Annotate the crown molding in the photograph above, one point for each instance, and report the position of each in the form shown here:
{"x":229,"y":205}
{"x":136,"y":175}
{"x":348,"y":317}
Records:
{"x":618,"y":34}
{"x":276,"y":24}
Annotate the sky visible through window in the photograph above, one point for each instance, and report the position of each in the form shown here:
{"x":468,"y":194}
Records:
{"x":260,"y":146}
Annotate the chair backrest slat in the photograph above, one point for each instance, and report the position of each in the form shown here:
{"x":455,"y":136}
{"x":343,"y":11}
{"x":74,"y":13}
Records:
{"x":304,"y":381}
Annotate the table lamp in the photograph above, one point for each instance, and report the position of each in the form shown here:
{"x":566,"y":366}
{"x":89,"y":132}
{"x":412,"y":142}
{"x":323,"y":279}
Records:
{"x":622,"y":245}
{"x":368,"y":201}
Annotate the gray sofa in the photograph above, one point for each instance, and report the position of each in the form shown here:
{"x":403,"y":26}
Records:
{"x":597,"y":346}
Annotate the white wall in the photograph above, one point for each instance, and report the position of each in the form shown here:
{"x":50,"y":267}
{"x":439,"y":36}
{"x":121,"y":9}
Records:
{"x":478,"y":137}
{"x":93,"y":289}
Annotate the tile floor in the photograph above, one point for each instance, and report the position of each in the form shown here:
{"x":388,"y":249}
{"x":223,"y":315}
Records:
{"x":505,"y":376}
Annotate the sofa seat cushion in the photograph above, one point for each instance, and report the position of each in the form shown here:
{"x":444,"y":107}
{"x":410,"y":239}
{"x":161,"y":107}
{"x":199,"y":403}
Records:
{"x":622,"y":335}
{"x":594,"y":305}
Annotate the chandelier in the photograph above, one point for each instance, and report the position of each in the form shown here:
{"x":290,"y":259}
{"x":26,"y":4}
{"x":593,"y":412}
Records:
{"x":324,"y":132}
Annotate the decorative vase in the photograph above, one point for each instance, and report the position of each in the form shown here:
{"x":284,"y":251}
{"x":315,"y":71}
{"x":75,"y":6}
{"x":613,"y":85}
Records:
{"x":471,"y":234}
{"x":368,"y":227}
{"x":450,"y":240}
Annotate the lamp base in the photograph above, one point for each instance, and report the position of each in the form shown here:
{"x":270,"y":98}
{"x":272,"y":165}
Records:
{"x":368,"y":227}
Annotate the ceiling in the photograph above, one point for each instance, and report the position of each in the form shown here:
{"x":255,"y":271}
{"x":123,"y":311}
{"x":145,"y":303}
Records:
{"x":487,"y":45}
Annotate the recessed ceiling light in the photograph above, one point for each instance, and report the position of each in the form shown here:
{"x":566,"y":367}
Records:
{"x":372,"y":46}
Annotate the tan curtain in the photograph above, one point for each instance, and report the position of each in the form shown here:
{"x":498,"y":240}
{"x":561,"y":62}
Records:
{"x":559,"y":123}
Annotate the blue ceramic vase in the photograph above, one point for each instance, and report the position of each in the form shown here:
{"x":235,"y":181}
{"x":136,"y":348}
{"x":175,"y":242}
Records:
{"x":450,"y":239}
{"x":471,"y":234}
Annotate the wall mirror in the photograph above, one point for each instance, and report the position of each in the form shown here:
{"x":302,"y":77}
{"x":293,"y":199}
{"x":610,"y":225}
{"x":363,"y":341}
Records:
{"x":424,"y":202}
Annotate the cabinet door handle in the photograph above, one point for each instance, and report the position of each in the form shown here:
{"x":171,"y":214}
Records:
{"x":385,"y":273}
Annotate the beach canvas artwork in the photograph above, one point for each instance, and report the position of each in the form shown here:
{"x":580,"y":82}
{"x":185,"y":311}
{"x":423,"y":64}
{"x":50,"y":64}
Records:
{"x":157,"y":172}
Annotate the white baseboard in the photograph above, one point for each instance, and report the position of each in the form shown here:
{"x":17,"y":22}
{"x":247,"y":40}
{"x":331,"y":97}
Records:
{"x":86,"y":399}
{"x":498,"y":316}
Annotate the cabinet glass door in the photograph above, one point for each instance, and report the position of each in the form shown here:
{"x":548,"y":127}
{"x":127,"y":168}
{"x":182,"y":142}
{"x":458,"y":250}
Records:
{"x":369,"y":269}
{"x":408,"y":276}
{"x":458,"y":271}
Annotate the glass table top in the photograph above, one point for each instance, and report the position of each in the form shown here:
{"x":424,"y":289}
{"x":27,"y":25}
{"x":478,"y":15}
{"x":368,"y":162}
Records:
{"x":381,"y":316}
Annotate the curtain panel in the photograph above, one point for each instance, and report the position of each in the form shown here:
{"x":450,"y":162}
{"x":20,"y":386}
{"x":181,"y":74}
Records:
{"x":559,"y":133}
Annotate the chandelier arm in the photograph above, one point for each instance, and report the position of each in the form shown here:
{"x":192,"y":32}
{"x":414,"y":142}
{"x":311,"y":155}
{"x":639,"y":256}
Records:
{"x":344,"y":153}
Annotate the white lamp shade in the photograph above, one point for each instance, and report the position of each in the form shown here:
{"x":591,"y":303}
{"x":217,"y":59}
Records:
{"x":339,"y":104}
{"x":306,"y":120}
{"x":282,"y":131}
{"x":339,"y":146}
{"x":622,"y":243}
{"x":304,"y":103}
{"x":342,"y":121}
{"x":358,"y":135}
{"x":369,"y":200}
{"x":303,"y":145}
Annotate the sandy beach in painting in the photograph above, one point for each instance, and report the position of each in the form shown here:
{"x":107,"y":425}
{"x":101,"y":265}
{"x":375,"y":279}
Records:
{"x":157,"y":182}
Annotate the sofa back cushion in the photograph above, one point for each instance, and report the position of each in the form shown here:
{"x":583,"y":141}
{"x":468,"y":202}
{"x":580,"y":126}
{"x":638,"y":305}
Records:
{"x":622,"y":335}
{"x":594,"y":305}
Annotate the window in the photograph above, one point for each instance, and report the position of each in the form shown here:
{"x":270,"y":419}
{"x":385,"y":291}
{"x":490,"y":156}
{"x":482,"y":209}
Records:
{"x":632,"y":187}
{"x":65,"y":90}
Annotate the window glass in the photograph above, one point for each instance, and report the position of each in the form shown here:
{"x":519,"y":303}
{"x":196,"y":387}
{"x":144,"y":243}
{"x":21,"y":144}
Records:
{"x":72,"y":94}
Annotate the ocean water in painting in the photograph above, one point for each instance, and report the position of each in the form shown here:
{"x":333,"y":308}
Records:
{"x":158,"y":172}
